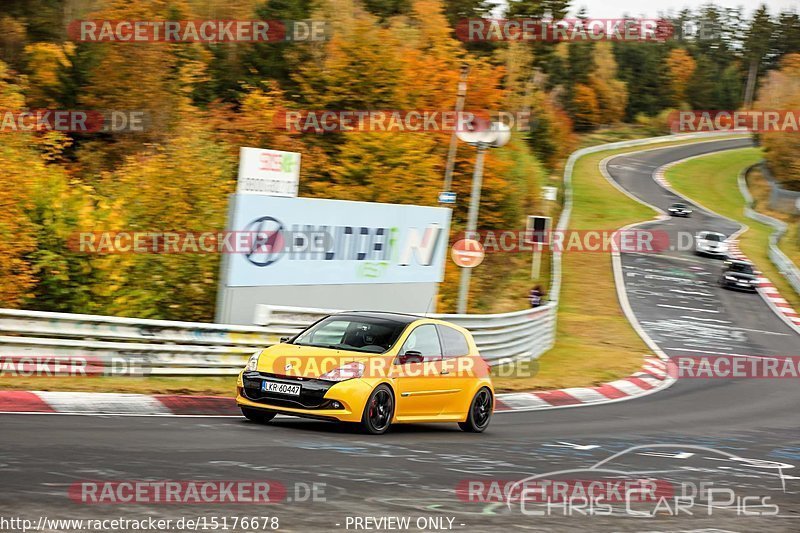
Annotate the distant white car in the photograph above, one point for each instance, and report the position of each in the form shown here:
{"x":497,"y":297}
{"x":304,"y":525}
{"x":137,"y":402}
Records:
{"x":711,"y":243}
{"x":679,"y":210}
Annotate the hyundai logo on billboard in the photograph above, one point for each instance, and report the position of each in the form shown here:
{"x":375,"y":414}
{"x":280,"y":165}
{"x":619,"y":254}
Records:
{"x":310,"y":241}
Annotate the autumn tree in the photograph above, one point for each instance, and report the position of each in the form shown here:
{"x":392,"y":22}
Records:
{"x":782,"y":91}
{"x":681,"y":67}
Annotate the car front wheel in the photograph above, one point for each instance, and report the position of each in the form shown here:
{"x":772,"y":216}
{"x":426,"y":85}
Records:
{"x":480,"y":412}
{"x":379,"y":411}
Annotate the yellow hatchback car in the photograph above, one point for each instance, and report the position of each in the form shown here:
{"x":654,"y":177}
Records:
{"x":373,"y":369}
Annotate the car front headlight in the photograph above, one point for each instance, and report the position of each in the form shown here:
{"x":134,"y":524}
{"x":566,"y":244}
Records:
{"x":252,"y":363}
{"x":730,"y":278}
{"x":343,"y":373}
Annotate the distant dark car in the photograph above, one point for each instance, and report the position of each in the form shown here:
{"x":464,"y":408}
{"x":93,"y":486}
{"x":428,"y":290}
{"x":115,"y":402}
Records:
{"x":679,"y":210}
{"x":739,"y":275}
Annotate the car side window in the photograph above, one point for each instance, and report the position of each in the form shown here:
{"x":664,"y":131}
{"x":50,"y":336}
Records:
{"x":424,"y":340}
{"x":455,"y":343}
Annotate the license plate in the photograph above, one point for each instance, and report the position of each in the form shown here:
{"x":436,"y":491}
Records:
{"x":741,"y":284}
{"x":280,"y":388}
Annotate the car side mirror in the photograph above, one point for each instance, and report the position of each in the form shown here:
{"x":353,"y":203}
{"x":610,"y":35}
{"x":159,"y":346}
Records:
{"x":285,"y":339}
{"x":410,"y":356}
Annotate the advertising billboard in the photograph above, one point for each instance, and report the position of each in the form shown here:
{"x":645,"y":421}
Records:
{"x":272,"y":172}
{"x":312,"y":241}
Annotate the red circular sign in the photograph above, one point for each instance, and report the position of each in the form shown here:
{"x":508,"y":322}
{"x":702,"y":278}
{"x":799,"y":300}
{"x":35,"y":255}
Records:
{"x":467,"y":253}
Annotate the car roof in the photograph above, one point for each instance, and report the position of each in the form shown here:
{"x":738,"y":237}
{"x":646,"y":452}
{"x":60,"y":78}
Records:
{"x":404,"y":318}
{"x":711,"y":233}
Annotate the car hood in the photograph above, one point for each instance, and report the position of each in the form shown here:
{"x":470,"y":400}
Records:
{"x":712,"y":244}
{"x":307,"y":361}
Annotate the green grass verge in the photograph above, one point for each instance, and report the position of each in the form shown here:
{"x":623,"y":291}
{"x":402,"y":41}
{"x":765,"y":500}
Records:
{"x":760,"y":189}
{"x":595,"y":342}
{"x":712,"y":181}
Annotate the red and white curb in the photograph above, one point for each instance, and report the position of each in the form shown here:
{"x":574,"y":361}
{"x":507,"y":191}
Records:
{"x":768,"y":291}
{"x":97,"y":403}
{"x":651,"y":378}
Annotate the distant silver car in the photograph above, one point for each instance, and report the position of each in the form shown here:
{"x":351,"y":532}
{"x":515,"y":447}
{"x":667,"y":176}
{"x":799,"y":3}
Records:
{"x":711,"y":243}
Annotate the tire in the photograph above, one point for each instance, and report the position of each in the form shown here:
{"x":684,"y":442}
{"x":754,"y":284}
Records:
{"x":480,"y":412}
{"x":379,"y":411}
{"x":258,"y":415}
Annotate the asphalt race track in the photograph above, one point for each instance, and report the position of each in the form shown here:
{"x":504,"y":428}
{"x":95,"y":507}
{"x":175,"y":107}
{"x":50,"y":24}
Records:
{"x":742,"y":435}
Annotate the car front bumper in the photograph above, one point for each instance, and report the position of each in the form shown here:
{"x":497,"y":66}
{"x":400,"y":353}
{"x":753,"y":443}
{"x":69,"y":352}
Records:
{"x":712,"y":253}
{"x":317,"y":399}
{"x":749,"y":287}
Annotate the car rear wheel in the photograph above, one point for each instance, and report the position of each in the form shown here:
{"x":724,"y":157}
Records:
{"x":257,"y":415}
{"x":379,"y":411}
{"x":480,"y":412}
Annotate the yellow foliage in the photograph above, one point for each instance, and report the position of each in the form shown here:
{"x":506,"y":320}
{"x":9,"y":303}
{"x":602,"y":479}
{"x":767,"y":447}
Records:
{"x":681,"y":67}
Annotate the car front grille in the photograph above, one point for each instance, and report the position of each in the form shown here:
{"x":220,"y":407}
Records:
{"x":312,"y":391}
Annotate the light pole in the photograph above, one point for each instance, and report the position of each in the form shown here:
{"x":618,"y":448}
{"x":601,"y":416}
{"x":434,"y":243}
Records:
{"x":494,"y":137}
{"x":451,"y":154}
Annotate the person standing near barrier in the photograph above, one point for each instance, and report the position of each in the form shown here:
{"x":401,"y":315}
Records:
{"x":535,"y":296}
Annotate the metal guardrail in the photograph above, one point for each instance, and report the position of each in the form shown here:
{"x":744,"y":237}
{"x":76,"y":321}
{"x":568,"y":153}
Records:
{"x":501,"y":338}
{"x":785,"y":265}
{"x":161,"y":347}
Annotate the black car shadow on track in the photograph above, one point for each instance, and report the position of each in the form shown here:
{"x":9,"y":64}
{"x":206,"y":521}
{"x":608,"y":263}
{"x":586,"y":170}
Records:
{"x":321,"y":426}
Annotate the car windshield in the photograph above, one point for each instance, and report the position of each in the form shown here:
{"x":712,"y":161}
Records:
{"x":744,"y":268}
{"x":354,"y":333}
{"x":713,"y":237}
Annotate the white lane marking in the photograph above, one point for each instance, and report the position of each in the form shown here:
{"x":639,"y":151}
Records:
{"x":562,"y":444}
{"x":771,"y":357}
{"x":707,"y":319}
{"x":694,"y":293}
{"x":735,"y":328}
{"x":80,"y":402}
{"x":689,"y":308}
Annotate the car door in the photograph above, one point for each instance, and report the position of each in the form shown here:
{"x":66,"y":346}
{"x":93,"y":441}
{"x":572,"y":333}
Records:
{"x":418,"y":369}
{"x":458,"y":367}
